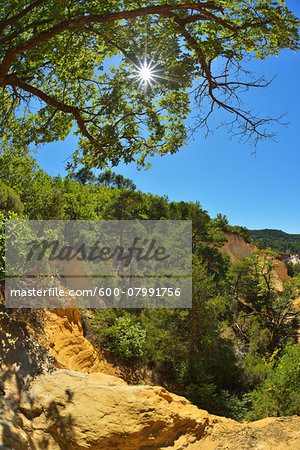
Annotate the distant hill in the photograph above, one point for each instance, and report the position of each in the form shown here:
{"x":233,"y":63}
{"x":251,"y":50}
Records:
{"x":277,"y":240}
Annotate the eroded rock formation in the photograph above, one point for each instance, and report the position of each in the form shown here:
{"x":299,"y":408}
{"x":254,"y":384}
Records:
{"x":63,"y":336}
{"x":44,"y":406}
{"x":236,"y":248}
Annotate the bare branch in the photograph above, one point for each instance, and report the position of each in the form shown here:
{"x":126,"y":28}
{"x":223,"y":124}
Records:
{"x":247,"y":125}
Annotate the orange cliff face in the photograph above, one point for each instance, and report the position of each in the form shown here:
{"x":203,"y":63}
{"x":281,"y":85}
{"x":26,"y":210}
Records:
{"x":42,"y":406}
{"x":236,"y":248}
{"x":63,"y":337}
{"x":63,"y":401}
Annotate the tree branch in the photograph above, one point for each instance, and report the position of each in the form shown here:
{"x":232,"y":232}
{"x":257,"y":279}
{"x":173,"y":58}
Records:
{"x":243,"y":119}
{"x":164,"y":10}
{"x":12,"y":80}
{"x":19,"y":31}
{"x":19,"y":16}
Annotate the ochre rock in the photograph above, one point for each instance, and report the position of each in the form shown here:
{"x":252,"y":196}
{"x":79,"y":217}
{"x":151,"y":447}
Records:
{"x":70,"y":410}
{"x":63,"y":336}
{"x":236,"y":248}
{"x":279,"y":275}
{"x":282,"y":433}
{"x":21,"y":357}
{"x":73,"y":410}
{"x":45,"y":407}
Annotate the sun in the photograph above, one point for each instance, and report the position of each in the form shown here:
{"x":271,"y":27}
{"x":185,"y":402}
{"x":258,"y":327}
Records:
{"x":149,"y":71}
{"x":145,"y":73}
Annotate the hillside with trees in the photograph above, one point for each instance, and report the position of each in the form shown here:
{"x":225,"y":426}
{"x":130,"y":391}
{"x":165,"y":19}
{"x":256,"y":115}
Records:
{"x":129,"y":81}
{"x":277,"y":240}
{"x":227,"y":350}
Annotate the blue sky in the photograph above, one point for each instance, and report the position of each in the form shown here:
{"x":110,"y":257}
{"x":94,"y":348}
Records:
{"x":261,"y":191}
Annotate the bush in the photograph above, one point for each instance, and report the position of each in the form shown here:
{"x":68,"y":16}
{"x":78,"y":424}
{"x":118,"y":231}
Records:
{"x":279,"y":394}
{"x":3,"y":217}
{"x":124,"y":336}
{"x":9,"y":200}
{"x":222,"y":402}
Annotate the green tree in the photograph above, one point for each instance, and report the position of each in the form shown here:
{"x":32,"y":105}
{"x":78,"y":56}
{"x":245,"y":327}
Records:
{"x":293,"y":269}
{"x":54,"y":76}
{"x":84,"y":176}
{"x":9,"y":200}
{"x":263,"y":321}
{"x":41,"y":195}
{"x":279,"y":394}
{"x":125,"y":205}
{"x":221,"y":222}
{"x":120,"y":333}
{"x":112,"y":179}
{"x":211,"y":358}
{"x":157,"y":207}
{"x":79,"y":201}
{"x":3,"y":217}
{"x":106,"y":177}
{"x":122,"y":182}
{"x":260,"y":244}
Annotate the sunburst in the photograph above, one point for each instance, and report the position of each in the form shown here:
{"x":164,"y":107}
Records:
{"x":145,"y":73}
{"x":149,"y":70}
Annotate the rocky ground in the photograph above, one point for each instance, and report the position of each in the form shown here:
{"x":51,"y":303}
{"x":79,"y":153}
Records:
{"x":54,"y":395}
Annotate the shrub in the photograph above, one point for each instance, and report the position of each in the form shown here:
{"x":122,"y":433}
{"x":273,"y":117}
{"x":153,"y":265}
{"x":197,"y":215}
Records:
{"x":9,"y":200}
{"x":3,"y":217}
{"x":221,"y":402}
{"x":279,"y":394}
{"x":124,"y":336}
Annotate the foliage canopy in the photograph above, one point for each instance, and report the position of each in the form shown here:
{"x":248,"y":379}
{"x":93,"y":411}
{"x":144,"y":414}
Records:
{"x":279,"y":394}
{"x":9,"y":200}
{"x":66,"y":63}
